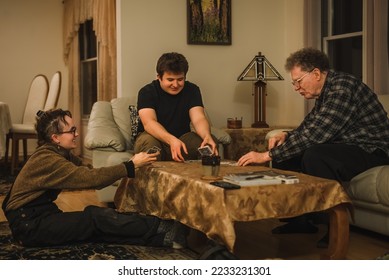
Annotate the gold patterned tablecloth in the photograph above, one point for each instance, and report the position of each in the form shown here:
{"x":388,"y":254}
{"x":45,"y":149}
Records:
{"x":172,"y":190}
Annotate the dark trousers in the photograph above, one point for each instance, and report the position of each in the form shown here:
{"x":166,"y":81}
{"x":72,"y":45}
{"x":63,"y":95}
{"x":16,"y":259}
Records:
{"x":339,"y":162}
{"x":145,"y":141}
{"x":46,"y":225}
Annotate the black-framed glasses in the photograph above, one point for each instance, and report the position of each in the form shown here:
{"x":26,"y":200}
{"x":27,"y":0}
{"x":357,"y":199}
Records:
{"x":73,"y":130}
{"x":296,"y":83}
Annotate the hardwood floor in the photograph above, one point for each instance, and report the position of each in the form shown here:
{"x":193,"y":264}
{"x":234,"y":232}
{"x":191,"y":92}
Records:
{"x":69,"y":201}
{"x":254,"y":239}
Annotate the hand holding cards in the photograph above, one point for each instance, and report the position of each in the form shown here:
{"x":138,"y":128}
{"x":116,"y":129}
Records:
{"x":205,"y":151}
{"x":153,"y":150}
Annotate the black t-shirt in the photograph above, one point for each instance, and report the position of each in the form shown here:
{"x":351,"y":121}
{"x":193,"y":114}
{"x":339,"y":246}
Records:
{"x":172,"y":110}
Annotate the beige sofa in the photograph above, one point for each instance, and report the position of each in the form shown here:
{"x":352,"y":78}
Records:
{"x":110,"y":133}
{"x":369,"y":192}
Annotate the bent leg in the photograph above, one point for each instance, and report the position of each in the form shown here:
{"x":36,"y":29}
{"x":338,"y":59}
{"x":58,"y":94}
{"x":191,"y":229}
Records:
{"x":339,"y":162}
{"x":193,"y":141}
{"x":145,"y":141}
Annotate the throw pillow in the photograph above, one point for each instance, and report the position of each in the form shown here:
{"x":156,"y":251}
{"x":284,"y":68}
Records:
{"x":134,"y":122}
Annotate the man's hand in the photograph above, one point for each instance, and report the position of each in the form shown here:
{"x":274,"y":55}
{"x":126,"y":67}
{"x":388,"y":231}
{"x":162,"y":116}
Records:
{"x":176,"y":145}
{"x":277,"y":140}
{"x":209,"y":141}
{"x":254,"y":157}
{"x":202,"y":128}
{"x":144,"y":158}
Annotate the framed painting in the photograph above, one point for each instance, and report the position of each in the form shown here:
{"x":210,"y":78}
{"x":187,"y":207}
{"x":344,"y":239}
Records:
{"x":209,"y":22}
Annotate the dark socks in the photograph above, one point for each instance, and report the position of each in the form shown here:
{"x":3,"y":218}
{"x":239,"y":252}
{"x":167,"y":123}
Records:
{"x":174,"y":234}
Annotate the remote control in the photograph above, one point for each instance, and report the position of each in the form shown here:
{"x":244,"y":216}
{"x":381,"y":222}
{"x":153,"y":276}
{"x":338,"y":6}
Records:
{"x":225,"y":185}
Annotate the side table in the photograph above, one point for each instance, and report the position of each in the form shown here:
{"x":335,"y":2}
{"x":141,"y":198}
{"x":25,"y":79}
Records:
{"x":244,"y":140}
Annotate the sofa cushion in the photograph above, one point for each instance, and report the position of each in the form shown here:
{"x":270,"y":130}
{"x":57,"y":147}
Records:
{"x":222,"y":136}
{"x":107,"y":158}
{"x":371,"y":186}
{"x":103,"y":133}
{"x":134,"y":121}
{"x":121,"y":116}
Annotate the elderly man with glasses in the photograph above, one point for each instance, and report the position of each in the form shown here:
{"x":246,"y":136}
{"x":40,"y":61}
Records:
{"x":346,"y":132}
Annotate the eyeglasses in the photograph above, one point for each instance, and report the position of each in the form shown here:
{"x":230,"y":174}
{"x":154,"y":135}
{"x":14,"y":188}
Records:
{"x":73,"y":130}
{"x":296,"y":83}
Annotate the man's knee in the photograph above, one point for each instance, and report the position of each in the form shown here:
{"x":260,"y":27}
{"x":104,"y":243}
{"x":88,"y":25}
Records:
{"x":319,"y":160}
{"x":145,"y":141}
{"x":95,"y":212}
{"x":192,"y":142}
{"x":312,"y":154}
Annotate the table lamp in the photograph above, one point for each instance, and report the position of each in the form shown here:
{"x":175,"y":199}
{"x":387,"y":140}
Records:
{"x":260,"y":70}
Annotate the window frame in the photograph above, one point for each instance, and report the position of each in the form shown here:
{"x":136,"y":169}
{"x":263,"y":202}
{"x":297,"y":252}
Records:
{"x":326,"y":40}
{"x":87,"y":56}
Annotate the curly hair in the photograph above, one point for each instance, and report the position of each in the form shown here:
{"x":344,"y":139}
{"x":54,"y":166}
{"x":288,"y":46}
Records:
{"x":50,"y":122}
{"x":308,"y":59}
{"x":172,"y":62}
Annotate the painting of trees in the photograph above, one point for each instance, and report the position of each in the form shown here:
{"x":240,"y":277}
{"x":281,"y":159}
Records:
{"x":209,"y":22}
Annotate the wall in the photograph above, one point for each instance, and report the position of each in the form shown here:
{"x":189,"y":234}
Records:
{"x":149,"y":28}
{"x":31,"y":44}
{"x":31,"y":33}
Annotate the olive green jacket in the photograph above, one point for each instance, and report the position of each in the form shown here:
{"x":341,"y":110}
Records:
{"x":52,"y":167}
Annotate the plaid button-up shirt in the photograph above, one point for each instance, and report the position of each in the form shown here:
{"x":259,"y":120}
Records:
{"x":346,"y":112}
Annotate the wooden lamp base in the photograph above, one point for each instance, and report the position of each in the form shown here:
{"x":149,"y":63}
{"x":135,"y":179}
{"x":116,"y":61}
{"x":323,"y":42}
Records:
{"x":260,"y":105}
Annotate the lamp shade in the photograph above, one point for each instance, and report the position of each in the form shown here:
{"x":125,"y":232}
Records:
{"x":260,"y":69}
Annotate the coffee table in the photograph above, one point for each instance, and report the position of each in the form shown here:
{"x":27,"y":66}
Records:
{"x":172,"y":190}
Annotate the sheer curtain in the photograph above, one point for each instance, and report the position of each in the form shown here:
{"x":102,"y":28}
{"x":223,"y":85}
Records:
{"x":312,"y":34}
{"x":104,"y":24}
{"x":377,"y":48}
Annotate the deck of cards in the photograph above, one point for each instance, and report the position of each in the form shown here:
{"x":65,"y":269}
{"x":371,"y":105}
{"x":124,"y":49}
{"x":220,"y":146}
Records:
{"x":153,"y":150}
{"x":205,"y":151}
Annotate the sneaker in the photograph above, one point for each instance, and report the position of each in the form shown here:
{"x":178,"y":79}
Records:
{"x":175,"y":237}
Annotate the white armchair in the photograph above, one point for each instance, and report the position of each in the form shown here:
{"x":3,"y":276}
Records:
{"x":110,"y":136}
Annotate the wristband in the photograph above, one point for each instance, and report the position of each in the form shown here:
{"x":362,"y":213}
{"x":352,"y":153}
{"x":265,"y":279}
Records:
{"x":130,"y":168}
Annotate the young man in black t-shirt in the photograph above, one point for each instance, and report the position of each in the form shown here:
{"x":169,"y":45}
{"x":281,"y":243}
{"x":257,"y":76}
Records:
{"x":167,"y":106}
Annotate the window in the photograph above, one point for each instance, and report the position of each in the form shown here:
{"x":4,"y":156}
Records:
{"x":88,"y":67}
{"x":342,"y":34}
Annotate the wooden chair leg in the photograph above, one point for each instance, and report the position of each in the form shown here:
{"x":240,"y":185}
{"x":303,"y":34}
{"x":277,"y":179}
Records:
{"x":8,"y":136}
{"x":25,"y":149}
{"x":15,"y":155}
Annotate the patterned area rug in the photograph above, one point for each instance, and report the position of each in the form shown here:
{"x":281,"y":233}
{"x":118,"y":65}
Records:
{"x":10,"y":250}
{"x":6,"y":180}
